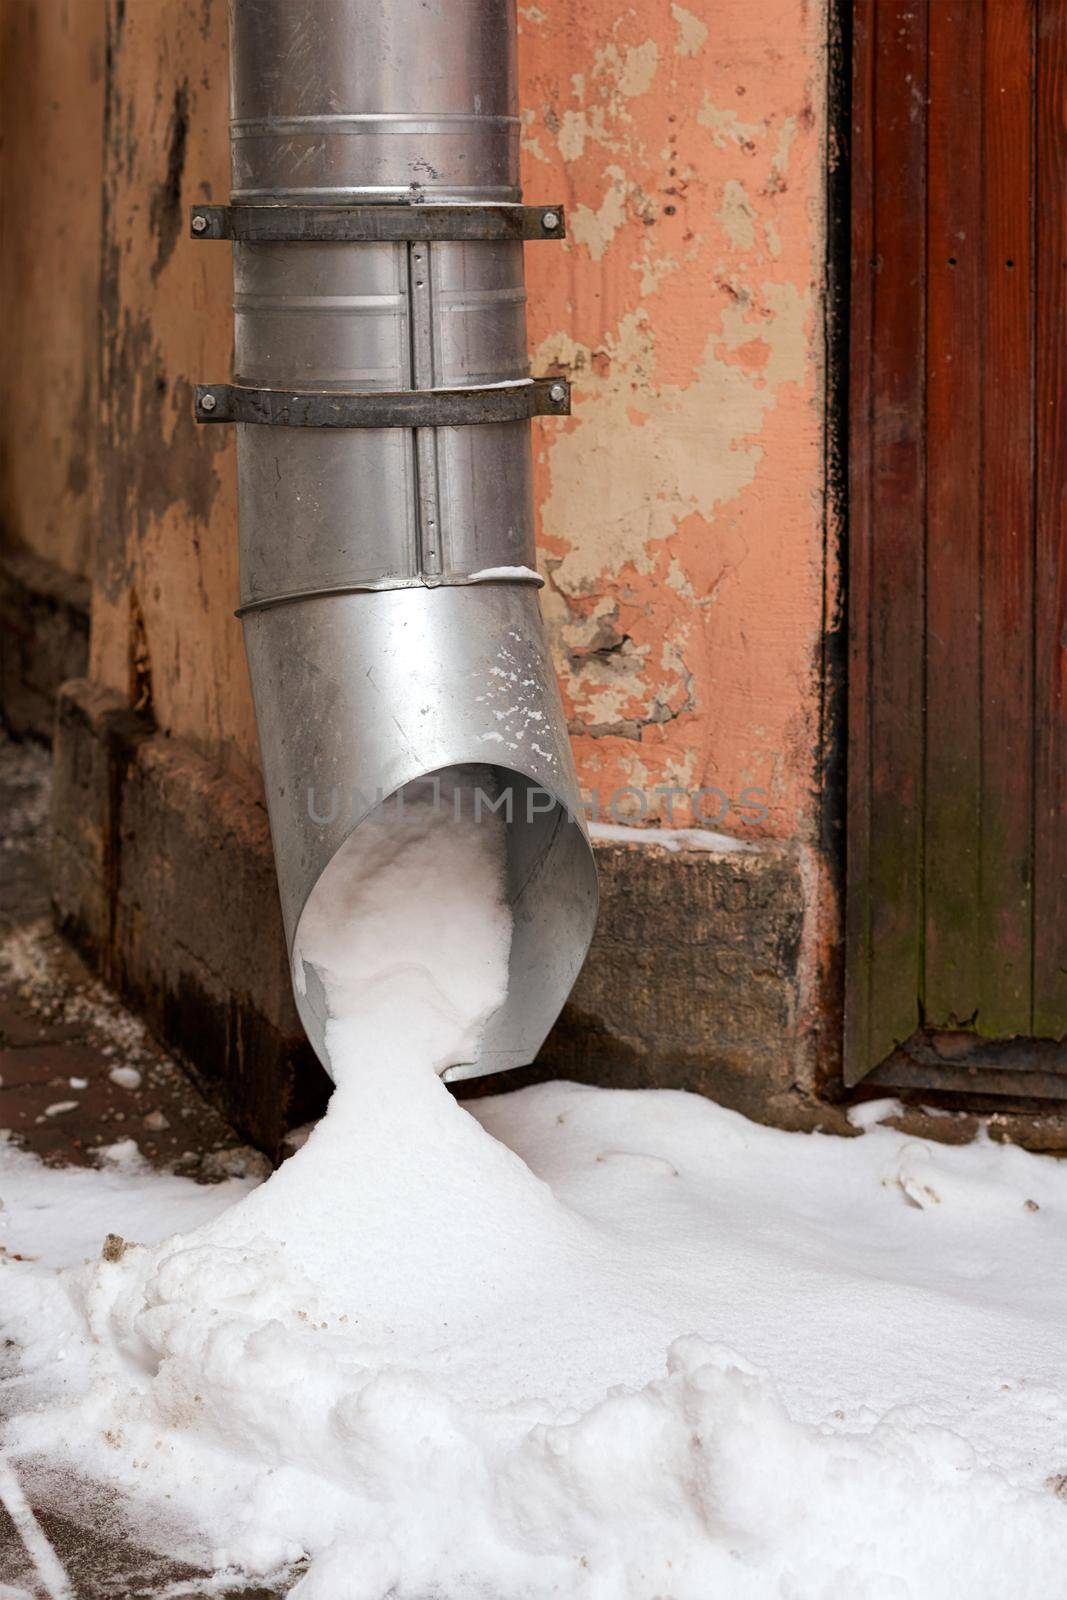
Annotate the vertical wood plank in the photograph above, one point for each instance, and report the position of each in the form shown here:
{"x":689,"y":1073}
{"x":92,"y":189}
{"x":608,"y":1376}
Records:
{"x":856,"y":1052}
{"x":954,"y":347}
{"x":1007,"y":524}
{"x":957,"y":852}
{"x":1049,"y":1017}
{"x":897,"y":546}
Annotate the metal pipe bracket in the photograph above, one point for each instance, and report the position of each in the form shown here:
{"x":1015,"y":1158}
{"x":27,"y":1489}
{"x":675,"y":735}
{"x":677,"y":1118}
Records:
{"x":402,"y":222}
{"x":383,"y":408}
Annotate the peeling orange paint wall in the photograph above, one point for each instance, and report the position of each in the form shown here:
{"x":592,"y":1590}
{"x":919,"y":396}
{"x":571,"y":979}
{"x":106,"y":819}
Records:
{"x":681,"y":506}
{"x":51,"y":112}
{"x":165,"y":589}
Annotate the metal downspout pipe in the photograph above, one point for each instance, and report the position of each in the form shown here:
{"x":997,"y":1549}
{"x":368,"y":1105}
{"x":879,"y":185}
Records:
{"x":382,"y":398}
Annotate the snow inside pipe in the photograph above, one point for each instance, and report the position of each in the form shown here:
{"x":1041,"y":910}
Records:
{"x":382,"y":402}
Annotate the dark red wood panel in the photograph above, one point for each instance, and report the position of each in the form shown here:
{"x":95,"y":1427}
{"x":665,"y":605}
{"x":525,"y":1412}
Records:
{"x":895,"y":469}
{"x":1050,"y":505}
{"x":886,"y":793}
{"x":955,"y":279}
{"x":957,"y":807}
{"x":863,"y":269}
{"x":1006,"y":683}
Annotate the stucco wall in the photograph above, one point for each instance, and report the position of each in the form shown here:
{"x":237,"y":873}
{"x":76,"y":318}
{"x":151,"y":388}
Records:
{"x":51,"y":111}
{"x":681,"y":506}
{"x":165,"y":577}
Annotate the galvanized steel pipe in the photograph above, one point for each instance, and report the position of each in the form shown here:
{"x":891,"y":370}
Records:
{"x":383,"y":640}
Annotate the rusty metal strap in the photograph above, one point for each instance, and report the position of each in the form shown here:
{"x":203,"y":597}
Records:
{"x":375,"y":224}
{"x":383,"y":408}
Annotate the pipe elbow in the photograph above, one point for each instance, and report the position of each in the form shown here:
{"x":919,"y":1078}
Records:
{"x":358,"y":695}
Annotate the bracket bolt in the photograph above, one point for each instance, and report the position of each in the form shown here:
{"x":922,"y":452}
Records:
{"x":208,"y":402}
{"x":199,"y":223}
{"x":550,"y":221}
{"x":557,"y":393}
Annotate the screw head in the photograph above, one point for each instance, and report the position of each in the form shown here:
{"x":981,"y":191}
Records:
{"x":208,"y":402}
{"x":199,"y":223}
{"x":557,"y":393}
{"x":550,"y":221}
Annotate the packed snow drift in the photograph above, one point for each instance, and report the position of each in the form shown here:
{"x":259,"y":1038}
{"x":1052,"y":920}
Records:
{"x":567,"y":1341}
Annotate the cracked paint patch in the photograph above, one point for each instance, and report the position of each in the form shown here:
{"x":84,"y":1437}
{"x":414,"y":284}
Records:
{"x":692,"y":33}
{"x":738,"y":216}
{"x":699,"y":446}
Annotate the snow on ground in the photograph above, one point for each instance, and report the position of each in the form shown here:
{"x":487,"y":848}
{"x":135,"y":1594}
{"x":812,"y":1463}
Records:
{"x":906,"y":1301}
{"x":569,"y":1341}
{"x":59,"y":1216}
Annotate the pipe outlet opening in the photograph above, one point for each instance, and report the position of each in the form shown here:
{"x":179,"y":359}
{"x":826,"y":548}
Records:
{"x":539,"y":879}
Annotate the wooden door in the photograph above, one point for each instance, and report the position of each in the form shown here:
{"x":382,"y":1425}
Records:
{"x":957,"y":794}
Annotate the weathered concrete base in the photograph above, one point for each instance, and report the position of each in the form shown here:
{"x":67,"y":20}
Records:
{"x":44,"y":640}
{"x":163,"y":875}
{"x":692,"y":981}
